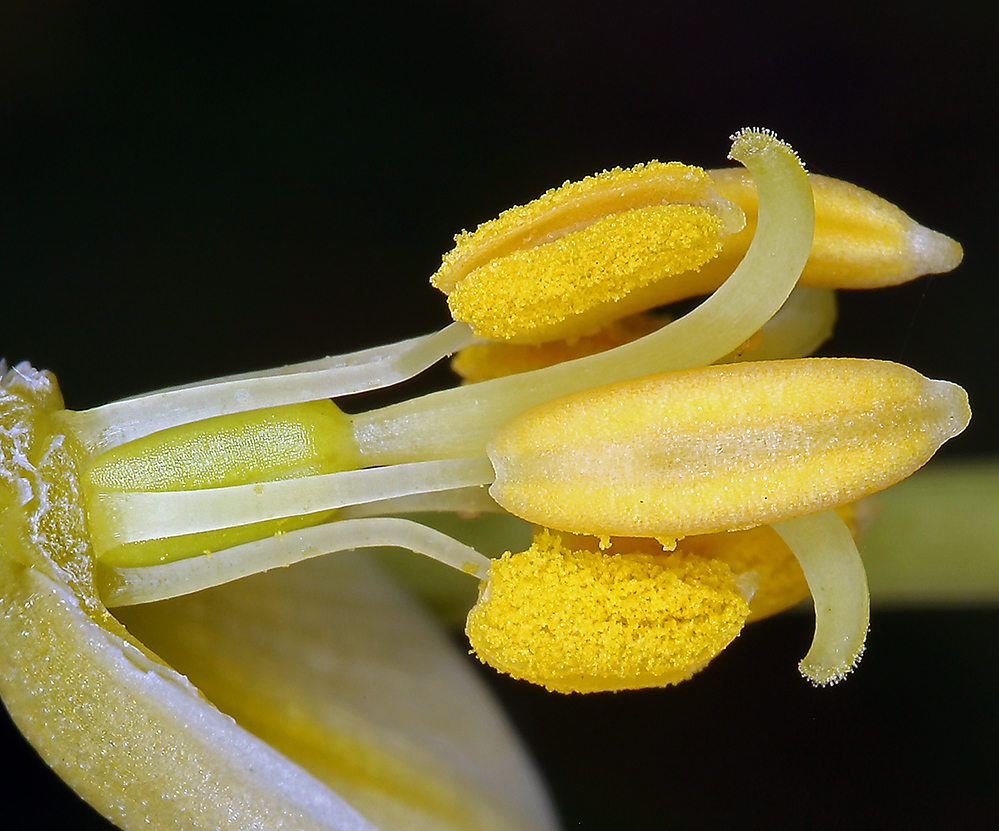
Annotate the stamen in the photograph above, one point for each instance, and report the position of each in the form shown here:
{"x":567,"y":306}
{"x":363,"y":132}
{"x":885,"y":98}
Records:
{"x":802,"y":325}
{"x":757,"y":554}
{"x":835,"y":574}
{"x":575,"y":284}
{"x":459,"y":422}
{"x":861,"y":240}
{"x":799,"y":327}
{"x":130,"y":586}
{"x":577,"y":205}
{"x":471,"y":500}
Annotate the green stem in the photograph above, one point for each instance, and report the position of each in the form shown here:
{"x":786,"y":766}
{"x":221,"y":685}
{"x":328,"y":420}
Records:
{"x":935,"y":538}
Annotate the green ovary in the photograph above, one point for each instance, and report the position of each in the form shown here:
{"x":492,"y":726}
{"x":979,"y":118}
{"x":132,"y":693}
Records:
{"x":287,"y":442}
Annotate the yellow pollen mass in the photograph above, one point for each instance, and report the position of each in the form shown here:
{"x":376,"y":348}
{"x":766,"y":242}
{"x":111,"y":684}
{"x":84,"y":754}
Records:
{"x":536,"y":261}
{"x":586,"y":621}
{"x":762,"y":552}
{"x":759,"y":551}
{"x":573,"y":206}
{"x":596,"y":267}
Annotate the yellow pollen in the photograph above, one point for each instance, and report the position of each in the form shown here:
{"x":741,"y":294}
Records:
{"x":759,"y":551}
{"x":585,"y":621}
{"x":762,"y":552}
{"x":608,"y":236}
{"x":592,"y":268}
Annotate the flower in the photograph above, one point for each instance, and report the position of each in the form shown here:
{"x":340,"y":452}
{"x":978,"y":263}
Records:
{"x":317,"y":697}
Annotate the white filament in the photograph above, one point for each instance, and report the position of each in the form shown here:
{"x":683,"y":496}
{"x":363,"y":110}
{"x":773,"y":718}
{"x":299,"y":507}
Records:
{"x":122,"y":421}
{"x":146,"y":515}
{"x":130,"y":586}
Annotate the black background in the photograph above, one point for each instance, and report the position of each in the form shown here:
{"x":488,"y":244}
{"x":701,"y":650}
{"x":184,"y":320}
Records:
{"x":192,"y":191}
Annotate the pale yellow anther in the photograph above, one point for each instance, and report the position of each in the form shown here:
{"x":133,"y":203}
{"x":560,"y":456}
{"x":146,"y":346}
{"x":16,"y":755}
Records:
{"x":585,"y":253}
{"x":721,"y":448}
{"x":586,"y":621}
{"x":861,"y":240}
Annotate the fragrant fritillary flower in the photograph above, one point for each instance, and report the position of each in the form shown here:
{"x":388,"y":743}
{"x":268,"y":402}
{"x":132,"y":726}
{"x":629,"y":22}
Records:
{"x":682,"y":487}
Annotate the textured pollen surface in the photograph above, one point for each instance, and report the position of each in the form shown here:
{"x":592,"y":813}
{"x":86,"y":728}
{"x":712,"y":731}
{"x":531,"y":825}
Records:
{"x":757,"y":550}
{"x":585,"y":621}
{"x":594,"y":267}
{"x":573,"y":206}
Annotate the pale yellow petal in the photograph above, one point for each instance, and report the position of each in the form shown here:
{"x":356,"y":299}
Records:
{"x":132,"y":737}
{"x":335,"y":668}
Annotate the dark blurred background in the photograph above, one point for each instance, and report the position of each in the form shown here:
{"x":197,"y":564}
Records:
{"x":193,"y":190}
